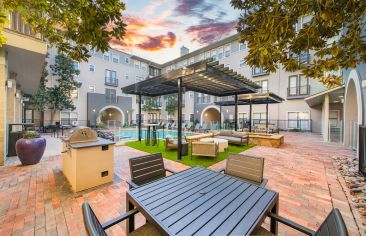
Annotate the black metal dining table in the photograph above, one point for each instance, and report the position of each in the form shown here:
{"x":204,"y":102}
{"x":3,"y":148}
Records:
{"x":199,"y":201}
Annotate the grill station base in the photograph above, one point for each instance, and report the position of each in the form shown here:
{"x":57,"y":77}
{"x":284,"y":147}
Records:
{"x":87,"y":161}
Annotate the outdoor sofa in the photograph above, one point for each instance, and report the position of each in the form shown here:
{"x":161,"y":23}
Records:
{"x":233,"y":137}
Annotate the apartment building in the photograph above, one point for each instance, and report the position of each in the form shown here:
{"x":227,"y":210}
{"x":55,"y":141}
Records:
{"x":21,"y":62}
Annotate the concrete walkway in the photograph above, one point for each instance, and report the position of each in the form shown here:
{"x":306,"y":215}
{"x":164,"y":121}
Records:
{"x":36,"y":200}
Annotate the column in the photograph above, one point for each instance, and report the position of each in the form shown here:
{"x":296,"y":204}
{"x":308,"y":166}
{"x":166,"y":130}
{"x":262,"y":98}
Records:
{"x":3,"y":97}
{"x":139,"y":119}
{"x":325,"y":115}
{"x":179,"y":153}
{"x":236,"y":112}
{"x":250,"y":115}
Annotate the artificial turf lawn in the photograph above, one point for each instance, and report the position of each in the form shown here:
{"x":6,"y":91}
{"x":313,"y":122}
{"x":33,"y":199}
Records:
{"x":196,"y":160}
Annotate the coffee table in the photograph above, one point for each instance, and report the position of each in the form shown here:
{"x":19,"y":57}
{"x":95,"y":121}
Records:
{"x":222,"y":143}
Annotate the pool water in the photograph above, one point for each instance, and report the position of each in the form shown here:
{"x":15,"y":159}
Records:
{"x":133,"y":134}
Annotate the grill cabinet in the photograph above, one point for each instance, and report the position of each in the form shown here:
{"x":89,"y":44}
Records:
{"x":87,"y":161}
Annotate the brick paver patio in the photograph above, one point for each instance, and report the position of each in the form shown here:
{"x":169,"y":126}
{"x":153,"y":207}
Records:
{"x":36,"y":200}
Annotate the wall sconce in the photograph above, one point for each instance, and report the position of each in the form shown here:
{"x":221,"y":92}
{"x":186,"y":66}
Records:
{"x":227,"y":111}
{"x":17,"y":95}
{"x":110,"y":114}
{"x":94,"y":110}
{"x":197,"y":111}
{"x":206,"y":114}
{"x":127,"y":111}
{"x":9,"y":84}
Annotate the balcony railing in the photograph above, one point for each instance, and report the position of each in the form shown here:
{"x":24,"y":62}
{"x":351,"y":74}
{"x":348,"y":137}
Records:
{"x":16,"y":23}
{"x":111,"y":81}
{"x":298,"y":91}
{"x":111,"y":98}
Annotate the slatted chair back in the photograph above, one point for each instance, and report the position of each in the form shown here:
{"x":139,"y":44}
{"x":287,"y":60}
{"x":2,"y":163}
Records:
{"x":245,"y":167}
{"x":147,"y":168}
{"x":91,"y":222}
{"x":333,"y":225}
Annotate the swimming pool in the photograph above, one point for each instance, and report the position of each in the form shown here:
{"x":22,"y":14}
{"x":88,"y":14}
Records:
{"x":132,"y":134}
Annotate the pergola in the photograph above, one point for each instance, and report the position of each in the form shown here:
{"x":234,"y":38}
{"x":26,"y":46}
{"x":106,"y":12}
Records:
{"x":250,"y":99}
{"x":208,"y":77}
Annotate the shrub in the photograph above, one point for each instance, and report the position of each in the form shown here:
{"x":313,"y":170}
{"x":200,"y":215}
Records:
{"x":31,"y":134}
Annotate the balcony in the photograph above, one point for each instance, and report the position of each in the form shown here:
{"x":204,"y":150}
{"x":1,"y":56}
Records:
{"x":111,"y":81}
{"x":17,"y":24}
{"x":298,"y":92}
{"x":259,"y":71}
{"x":203,"y":100}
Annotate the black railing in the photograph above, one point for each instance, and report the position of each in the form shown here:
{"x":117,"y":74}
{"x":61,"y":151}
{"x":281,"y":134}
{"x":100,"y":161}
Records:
{"x":111,"y":81}
{"x":298,"y":91}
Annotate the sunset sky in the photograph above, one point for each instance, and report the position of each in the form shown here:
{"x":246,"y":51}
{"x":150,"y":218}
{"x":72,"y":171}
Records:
{"x":157,"y":29}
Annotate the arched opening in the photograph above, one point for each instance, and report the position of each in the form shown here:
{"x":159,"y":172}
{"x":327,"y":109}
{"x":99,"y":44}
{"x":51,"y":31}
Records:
{"x":211,"y":116}
{"x":352,"y":111}
{"x":111,"y":116}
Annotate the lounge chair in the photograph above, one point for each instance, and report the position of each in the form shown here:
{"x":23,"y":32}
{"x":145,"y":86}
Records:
{"x":170,"y":143}
{"x":245,"y":167}
{"x":333,"y":225}
{"x":170,"y":125}
{"x":208,"y":149}
{"x":147,"y":168}
{"x":197,"y":127}
{"x":95,"y":228}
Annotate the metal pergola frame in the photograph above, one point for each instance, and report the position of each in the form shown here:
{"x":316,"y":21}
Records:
{"x":252,"y":99}
{"x":207,"y":77}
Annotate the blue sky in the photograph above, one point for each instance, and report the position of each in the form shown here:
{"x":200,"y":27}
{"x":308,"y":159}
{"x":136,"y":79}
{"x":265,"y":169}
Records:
{"x":157,"y":29}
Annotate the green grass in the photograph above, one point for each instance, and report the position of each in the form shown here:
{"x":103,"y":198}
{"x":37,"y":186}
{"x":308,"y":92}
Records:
{"x":196,"y":160}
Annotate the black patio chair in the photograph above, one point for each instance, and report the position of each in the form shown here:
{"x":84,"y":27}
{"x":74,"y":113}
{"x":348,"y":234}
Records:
{"x":333,"y":225}
{"x":95,"y":228}
{"x":147,"y":168}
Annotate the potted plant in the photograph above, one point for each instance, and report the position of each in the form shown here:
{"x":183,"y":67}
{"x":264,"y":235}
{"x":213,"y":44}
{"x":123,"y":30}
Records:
{"x":30,"y":148}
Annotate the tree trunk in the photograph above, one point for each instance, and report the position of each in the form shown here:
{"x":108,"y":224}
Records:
{"x":41,"y":122}
{"x":53,"y":116}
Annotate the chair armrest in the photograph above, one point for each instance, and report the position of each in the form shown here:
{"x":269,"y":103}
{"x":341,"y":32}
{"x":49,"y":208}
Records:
{"x":222,"y":169}
{"x":131,"y":183}
{"x":263,"y":183}
{"x":120,"y":218}
{"x":291,"y":224}
{"x":171,"y":171}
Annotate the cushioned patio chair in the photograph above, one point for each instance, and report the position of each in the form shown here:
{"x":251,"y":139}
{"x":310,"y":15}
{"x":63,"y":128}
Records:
{"x":245,"y":167}
{"x":95,"y":228}
{"x":333,"y":225}
{"x":147,"y":168}
{"x":170,"y":143}
{"x":208,"y":149}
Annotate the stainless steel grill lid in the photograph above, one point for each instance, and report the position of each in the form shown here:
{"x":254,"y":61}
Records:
{"x":81,"y":135}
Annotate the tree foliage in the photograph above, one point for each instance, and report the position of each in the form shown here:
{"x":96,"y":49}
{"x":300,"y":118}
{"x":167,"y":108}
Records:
{"x":171,"y":103}
{"x":59,"y":95}
{"x":268,"y":27}
{"x":71,"y":26}
{"x":40,"y":99}
{"x":150,"y":103}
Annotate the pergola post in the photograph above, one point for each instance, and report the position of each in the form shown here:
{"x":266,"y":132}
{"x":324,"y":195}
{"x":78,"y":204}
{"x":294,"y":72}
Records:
{"x":236,"y":112}
{"x":250,"y":116}
{"x":179,"y":153}
{"x":267,"y":116}
{"x":139,"y":119}
{"x":220,"y":117}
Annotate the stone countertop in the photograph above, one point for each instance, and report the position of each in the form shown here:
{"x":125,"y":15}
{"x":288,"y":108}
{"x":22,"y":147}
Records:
{"x":100,"y":142}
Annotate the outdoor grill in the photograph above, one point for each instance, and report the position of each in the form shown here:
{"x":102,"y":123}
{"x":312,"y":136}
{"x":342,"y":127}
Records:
{"x":87,"y":161}
{"x":79,"y":135}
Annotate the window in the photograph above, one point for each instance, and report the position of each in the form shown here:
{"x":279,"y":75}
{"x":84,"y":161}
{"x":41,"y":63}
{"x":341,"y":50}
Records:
{"x":298,"y":120}
{"x":91,"y":89}
{"x":68,"y":117}
{"x":303,"y":21}
{"x":201,"y":57}
{"x":191,"y":61}
{"x":256,"y":71}
{"x":214,"y":56}
{"x":74,"y":94}
{"x":92,"y":68}
{"x":227,"y":50}
{"x":106,"y":56}
{"x":137,"y":64}
{"x":111,"y":78}
{"x":126,"y":76}
{"x":242,"y":46}
{"x":334,"y":119}
{"x":264,"y":86}
{"x":184,"y":63}
{"x":221,"y":53}
{"x":127,"y":60}
{"x":207,"y":55}
{"x":137,"y":118}
{"x":115,"y":58}
{"x":110,"y":95}
{"x":242,"y":63}
{"x":298,"y":85}
{"x":303,"y":58}
{"x":143,"y":67}
{"x":91,"y":50}
{"x":75,"y":65}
